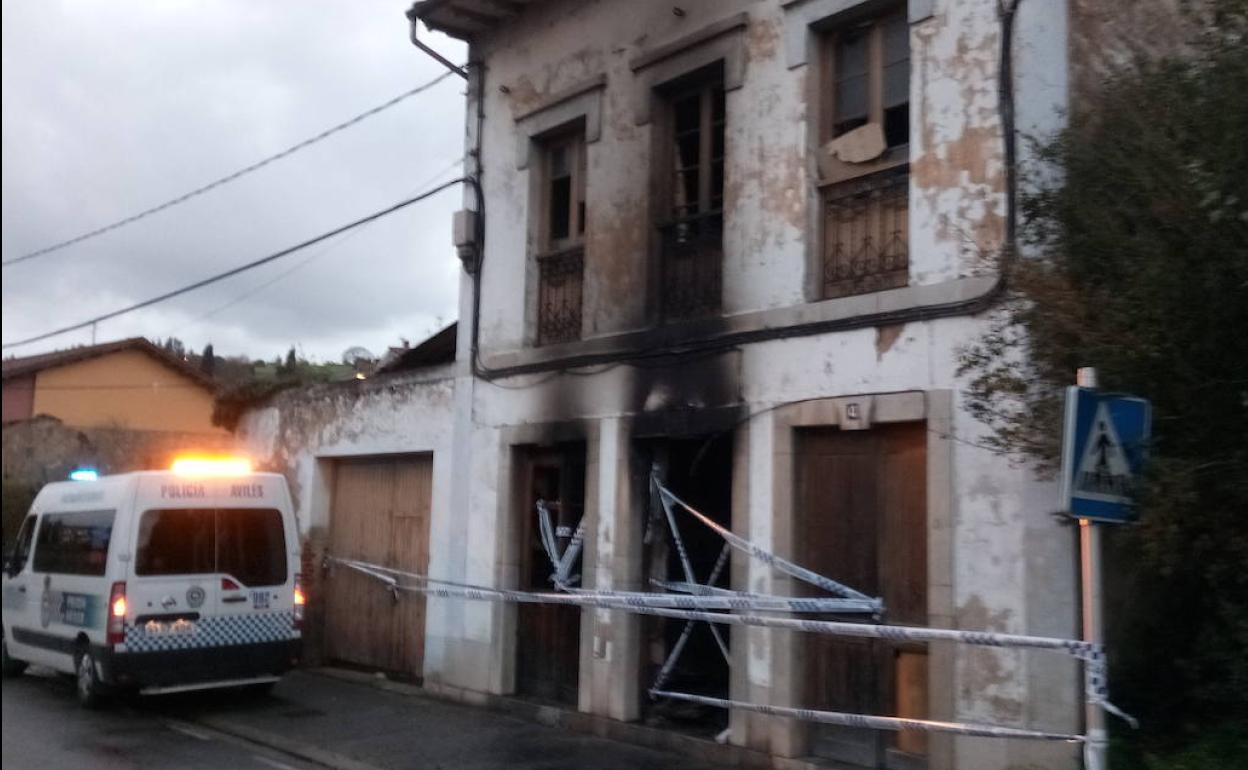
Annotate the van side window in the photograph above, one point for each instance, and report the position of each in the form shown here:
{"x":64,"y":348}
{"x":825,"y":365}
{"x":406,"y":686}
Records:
{"x":249,"y":544}
{"x":74,"y":543}
{"x":21,"y":547}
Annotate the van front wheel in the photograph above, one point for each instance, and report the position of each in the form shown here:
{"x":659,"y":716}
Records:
{"x":87,"y":685}
{"x":9,"y":666}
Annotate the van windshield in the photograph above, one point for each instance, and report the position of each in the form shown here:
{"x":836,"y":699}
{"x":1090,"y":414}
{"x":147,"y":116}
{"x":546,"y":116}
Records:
{"x":247,"y":544}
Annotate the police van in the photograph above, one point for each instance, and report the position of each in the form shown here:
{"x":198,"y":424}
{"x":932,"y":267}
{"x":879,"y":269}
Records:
{"x":157,"y":581}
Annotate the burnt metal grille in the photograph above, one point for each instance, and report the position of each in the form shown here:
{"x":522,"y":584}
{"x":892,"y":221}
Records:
{"x":559,"y":296}
{"x":693,"y":262}
{"x":866,"y":235}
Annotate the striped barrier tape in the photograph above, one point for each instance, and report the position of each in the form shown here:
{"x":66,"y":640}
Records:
{"x":763,"y":555}
{"x":562,"y":576}
{"x":873,"y":722}
{"x":687,"y":566}
{"x":771,"y":603}
{"x":666,"y":670}
{"x":633,"y":603}
{"x":1091,"y":654}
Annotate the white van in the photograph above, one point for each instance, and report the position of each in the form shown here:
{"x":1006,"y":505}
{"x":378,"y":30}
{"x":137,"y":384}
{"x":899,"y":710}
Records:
{"x":157,"y":581}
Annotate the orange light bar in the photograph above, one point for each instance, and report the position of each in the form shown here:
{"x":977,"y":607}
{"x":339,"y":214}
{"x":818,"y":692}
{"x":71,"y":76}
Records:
{"x":212,"y":466}
{"x":119,"y":606}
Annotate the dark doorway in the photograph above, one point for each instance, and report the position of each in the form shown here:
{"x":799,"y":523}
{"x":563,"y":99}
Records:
{"x":861,"y":519}
{"x":699,"y":471}
{"x":548,"y":635}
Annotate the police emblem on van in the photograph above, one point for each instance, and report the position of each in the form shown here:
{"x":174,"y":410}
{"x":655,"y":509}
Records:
{"x":194,"y":597}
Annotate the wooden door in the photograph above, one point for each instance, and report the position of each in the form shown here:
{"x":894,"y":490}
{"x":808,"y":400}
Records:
{"x":862,"y":520}
{"x":380,"y":515}
{"x":548,"y":643}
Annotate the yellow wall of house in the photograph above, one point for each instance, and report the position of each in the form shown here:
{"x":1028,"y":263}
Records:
{"x":127,"y":389}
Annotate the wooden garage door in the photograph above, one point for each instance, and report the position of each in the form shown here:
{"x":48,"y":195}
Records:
{"x":862,"y":519}
{"x":380,"y":514}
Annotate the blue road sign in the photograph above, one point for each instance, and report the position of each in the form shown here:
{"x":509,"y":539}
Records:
{"x":1103,"y":450}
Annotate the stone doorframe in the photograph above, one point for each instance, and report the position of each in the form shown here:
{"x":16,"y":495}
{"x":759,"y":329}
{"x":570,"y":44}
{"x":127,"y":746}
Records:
{"x":513,"y":439}
{"x":768,"y":668}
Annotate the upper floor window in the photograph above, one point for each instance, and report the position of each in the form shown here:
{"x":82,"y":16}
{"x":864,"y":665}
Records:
{"x":692,"y":237}
{"x":564,"y":191}
{"x":870,"y":79}
{"x":866,"y":133}
{"x":561,"y":254}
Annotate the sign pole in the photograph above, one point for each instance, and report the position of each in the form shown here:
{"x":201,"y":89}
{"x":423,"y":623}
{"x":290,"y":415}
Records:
{"x":1090,"y":583}
{"x":1090,"y":562}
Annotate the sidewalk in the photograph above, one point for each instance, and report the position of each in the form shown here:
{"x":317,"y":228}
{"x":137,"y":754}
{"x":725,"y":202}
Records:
{"x":356,"y":726}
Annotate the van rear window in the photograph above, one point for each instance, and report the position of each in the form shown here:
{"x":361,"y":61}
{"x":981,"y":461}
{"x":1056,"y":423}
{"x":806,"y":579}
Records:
{"x":247,"y":544}
{"x":74,"y":543}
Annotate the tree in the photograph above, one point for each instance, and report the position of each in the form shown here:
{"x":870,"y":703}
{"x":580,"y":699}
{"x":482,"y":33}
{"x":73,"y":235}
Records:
{"x":1141,"y":269}
{"x":290,"y":365}
{"x":208,"y":361}
{"x":174,"y":347}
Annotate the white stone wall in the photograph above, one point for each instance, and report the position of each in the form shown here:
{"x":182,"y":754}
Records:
{"x":1012,"y":566}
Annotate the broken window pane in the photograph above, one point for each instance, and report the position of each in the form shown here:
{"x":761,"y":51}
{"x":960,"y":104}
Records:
{"x":560,"y":211}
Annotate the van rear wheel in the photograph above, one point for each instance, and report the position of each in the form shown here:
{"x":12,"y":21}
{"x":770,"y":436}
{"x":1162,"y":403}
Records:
{"x":87,"y":685}
{"x":10,"y":667}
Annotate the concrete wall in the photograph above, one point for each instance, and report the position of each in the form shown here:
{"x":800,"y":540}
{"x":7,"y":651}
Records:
{"x":127,"y":389}
{"x":1105,"y":37}
{"x":45,"y":449}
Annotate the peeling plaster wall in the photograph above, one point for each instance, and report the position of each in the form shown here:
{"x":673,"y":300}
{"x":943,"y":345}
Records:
{"x":299,"y":433}
{"x":1013,"y":565}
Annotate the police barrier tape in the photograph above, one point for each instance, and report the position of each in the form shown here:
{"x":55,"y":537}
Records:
{"x":872,"y":722}
{"x":678,"y":608}
{"x":767,"y":557}
{"x":668,"y":665}
{"x":1092,"y":655}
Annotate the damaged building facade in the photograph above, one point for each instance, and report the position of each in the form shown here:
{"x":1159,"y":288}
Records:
{"x":738,"y":245}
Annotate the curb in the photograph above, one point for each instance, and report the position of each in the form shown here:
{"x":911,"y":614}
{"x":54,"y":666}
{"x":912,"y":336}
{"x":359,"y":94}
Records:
{"x":285,"y":745}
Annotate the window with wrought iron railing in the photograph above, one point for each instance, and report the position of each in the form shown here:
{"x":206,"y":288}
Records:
{"x":560,"y":278}
{"x":692,"y":239}
{"x":865,"y":234}
{"x":561,"y":256}
{"x":864,"y":155}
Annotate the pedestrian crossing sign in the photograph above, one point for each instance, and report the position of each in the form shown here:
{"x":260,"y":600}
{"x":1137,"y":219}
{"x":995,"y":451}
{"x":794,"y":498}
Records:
{"x":1103,"y":451}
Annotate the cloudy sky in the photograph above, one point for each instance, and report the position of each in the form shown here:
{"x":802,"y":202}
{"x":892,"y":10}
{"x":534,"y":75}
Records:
{"x":113,"y":106}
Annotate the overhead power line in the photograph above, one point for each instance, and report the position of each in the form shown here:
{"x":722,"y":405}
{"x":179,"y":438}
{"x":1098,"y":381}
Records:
{"x":240,"y":269}
{"x":301,"y":263}
{"x":229,"y":177}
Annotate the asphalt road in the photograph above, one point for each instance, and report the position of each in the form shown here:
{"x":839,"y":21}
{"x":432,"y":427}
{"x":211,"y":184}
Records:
{"x":45,"y":729}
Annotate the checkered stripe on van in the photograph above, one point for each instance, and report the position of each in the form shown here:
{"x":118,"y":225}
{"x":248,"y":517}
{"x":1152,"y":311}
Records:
{"x":217,"y":631}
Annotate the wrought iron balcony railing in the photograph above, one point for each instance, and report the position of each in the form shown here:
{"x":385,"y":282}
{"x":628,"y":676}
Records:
{"x":866,"y":235}
{"x":692,"y":266}
{"x":560,"y":281}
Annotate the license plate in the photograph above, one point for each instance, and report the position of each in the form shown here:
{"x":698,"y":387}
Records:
{"x":260,"y":600}
{"x":173,"y":628}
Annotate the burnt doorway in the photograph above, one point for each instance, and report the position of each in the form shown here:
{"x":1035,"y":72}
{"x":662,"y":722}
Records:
{"x":699,"y":471}
{"x":380,"y":515}
{"x":861,"y":519}
{"x":548,"y":636}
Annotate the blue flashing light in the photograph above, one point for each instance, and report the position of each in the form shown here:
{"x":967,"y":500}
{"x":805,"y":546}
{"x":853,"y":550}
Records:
{"x":84,"y":474}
